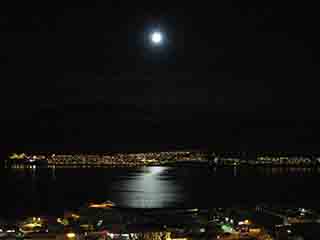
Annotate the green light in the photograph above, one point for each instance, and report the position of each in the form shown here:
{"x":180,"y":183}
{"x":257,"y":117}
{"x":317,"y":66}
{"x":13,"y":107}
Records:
{"x":226,"y":228}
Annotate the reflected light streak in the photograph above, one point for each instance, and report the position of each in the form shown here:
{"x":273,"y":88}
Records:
{"x":155,"y":171}
{"x":149,"y":190}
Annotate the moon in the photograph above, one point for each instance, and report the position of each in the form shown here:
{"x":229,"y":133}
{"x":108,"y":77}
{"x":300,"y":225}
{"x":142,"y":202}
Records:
{"x":156,"y":38}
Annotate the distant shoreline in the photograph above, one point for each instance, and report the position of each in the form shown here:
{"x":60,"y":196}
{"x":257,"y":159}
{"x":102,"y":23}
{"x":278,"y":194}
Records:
{"x":200,"y":164}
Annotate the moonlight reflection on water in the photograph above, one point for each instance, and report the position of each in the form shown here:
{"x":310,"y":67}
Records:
{"x":39,"y":191}
{"x":149,"y":189}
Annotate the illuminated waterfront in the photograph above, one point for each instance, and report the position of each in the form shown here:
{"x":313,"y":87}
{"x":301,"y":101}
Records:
{"x":154,"y":194}
{"x":165,"y":159}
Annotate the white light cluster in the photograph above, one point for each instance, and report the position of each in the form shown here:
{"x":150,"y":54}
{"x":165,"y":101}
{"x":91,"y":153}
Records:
{"x":156,"y":38}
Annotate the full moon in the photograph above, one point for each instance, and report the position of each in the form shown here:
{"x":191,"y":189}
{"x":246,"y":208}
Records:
{"x":156,"y":38}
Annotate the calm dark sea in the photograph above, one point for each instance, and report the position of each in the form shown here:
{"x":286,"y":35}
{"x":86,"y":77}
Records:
{"x":50,"y":191}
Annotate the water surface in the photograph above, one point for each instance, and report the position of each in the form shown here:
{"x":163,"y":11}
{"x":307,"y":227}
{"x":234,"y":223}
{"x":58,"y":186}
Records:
{"x":52,"y":190}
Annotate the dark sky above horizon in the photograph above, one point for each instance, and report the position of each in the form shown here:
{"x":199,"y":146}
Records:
{"x":231,"y":75}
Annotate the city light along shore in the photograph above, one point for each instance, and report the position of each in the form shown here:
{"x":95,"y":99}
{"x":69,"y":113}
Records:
{"x":177,"y":158}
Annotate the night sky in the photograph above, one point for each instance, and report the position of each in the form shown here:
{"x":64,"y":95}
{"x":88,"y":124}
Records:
{"x":233,"y":75}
